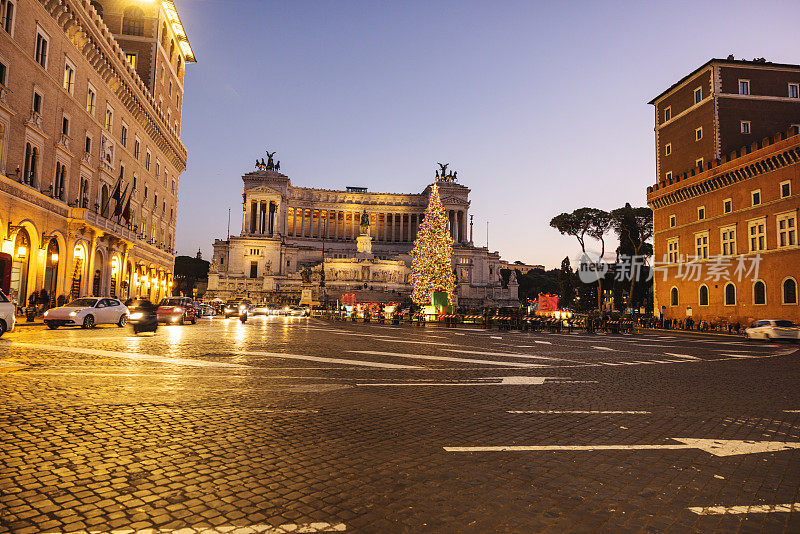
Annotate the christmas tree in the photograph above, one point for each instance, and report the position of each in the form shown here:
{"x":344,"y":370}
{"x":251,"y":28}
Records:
{"x":431,"y":268}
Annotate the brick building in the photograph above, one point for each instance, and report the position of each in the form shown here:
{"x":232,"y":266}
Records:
{"x":726,"y":196}
{"x":90,"y":104}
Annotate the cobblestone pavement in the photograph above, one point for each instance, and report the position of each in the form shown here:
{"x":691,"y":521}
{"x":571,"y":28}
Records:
{"x":301,"y":425}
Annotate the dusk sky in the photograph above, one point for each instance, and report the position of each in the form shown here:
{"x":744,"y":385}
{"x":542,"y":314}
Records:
{"x":541,"y":107}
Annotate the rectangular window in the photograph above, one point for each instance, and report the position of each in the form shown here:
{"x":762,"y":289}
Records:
{"x":727,"y":205}
{"x":147,"y":160}
{"x":7,"y":15}
{"x":87,"y":147}
{"x":794,"y":90}
{"x":136,"y":149}
{"x":699,"y":163}
{"x":756,"y":196}
{"x":728,"y":240}
{"x":667,"y":113}
{"x":672,"y":250}
{"x":786,"y":189}
{"x":787,"y":229}
{"x":744,"y":87}
{"x":109,"y":120}
{"x":3,"y":73}
{"x":91,"y":96}
{"x":698,"y":134}
{"x":173,"y":187}
{"x":745,"y":127}
{"x":701,"y":245}
{"x":41,"y":49}
{"x":672,"y":221}
{"x":668,"y":149}
{"x":131,"y":59}
{"x":37,"y":102}
{"x":253,"y":269}
{"x":757,"y":233}
{"x":170,"y":88}
{"x":69,"y":78}
{"x":158,"y":170}
{"x":701,"y":213}
{"x":668,"y":176}
{"x":698,"y":95}
{"x":65,"y":125}
{"x":145,"y":192}
{"x":123,"y":135}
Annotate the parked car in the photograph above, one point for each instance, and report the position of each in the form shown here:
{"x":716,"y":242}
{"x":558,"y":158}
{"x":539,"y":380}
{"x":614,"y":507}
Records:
{"x":7,"y":314}
{"x":773,"y":329}
{"x":88,"y":312}
{"x":177,"y":310}
{"x":236,"y":307}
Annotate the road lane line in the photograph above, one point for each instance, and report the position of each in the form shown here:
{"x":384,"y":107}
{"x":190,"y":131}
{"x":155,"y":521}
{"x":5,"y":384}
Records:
{"x":448,"y":359}
{"x":602,"y":348}
{"x":126,"y":355}
{"x":327,"y":360}
{"x":682,"y":356}
{"x":752,"y":509}
{"x":505,"y":354}
{"x":579,"y":411}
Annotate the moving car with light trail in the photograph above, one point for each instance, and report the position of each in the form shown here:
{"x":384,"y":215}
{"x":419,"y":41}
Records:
{"x":236,"y":307}
{"x":177,"y":310}
{"x":7,"y":315}
{"x":773,"y":329}
{"x":88,"y":312}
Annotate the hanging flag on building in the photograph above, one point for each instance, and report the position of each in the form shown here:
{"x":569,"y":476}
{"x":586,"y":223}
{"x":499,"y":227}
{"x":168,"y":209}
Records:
{"x":120,"y":201}
{"x":126,"y":213}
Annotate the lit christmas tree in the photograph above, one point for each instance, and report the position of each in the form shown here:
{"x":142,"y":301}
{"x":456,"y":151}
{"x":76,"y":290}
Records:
{"x":431,"y":268}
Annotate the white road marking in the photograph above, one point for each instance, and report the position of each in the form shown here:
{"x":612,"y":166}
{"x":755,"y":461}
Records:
{"x":609,"y":363}
{"x":328,"y":360}
{"x":602,"y":348}
{"x":128,"y":355}
{"x":752,"y":509}
{"x":447,"y":358}
{"x":683,"y":356}
{"x":738,"y":355}
{"x":495,"y":337}
{"x":391,"y":340}
{"x":717,"y":447}
{"x":542,"y":342}
{"x":286,"y":528}
{"x":579,"y":411}
{"x":505,"y":354}
{"x":499,"y":381}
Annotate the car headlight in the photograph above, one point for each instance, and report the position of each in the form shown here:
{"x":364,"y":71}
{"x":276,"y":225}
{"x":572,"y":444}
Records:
{"x":136,"y":316}
{"x":178,"y":310}
{"x":47,"y":313}
{"x":73,"y":313}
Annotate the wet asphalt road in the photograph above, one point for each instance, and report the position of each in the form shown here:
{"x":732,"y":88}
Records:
{"x":303,"y":425}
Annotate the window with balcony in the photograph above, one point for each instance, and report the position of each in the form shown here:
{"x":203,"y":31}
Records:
{"x":59,"y":180}
{"x":757,"y":233}
{"x":787,"y":229}
{"x":672,"y":250}
{"x":30,"y":174}
{"x":728,"y":240}
{"x":701,"y":245}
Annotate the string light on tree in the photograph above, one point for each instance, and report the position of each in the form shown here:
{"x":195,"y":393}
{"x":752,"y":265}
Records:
{"x":431,"y":266}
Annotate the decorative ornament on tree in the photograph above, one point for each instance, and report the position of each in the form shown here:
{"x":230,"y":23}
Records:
{"x":431,"y":266}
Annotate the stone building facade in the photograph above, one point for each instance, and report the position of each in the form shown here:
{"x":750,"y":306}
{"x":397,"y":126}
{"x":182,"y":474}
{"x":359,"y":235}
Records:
{"x":288,"y":229}
{"x":725,"y":232}
{"x":91,"y":96}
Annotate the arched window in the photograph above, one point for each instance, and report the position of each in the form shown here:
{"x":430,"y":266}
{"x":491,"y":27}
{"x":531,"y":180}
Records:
{"x":673,"y":296}
{"x":759,"y":293}
{"x":164,"y":35}
{"x":703,"y":295}
{"x":171,"y":49}
{"x":97,"y":7}
{"x":789,"y":291}
{"x":133,"y":21}
{"x":730,"y":294}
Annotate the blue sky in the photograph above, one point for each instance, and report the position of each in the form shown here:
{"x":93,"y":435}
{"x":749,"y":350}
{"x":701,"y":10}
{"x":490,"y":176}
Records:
{"x":541,"y":107}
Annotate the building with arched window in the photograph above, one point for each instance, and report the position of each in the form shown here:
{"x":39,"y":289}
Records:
{"x":71,"y":136}
{"x":287,"y":230}
{"x":725,"y":204}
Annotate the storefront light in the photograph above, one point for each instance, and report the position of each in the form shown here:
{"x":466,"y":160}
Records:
{"x":8,"y":246}
{"x":22,"y":250}
{"x":54,"y":257}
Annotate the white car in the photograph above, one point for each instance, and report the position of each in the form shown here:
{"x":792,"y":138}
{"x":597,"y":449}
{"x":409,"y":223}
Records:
{"x":88,"y":312}
{"x":773,"y":329}
{"x":7,"y":315}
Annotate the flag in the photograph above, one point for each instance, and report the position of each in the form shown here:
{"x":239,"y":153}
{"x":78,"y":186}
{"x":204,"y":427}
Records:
{"x":118,"y":207}
{"x":126,"y":213}
{"x":115,"y":196}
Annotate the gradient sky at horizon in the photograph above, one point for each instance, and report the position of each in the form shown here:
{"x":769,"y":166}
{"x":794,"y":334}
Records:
{"x":541,"y":107}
